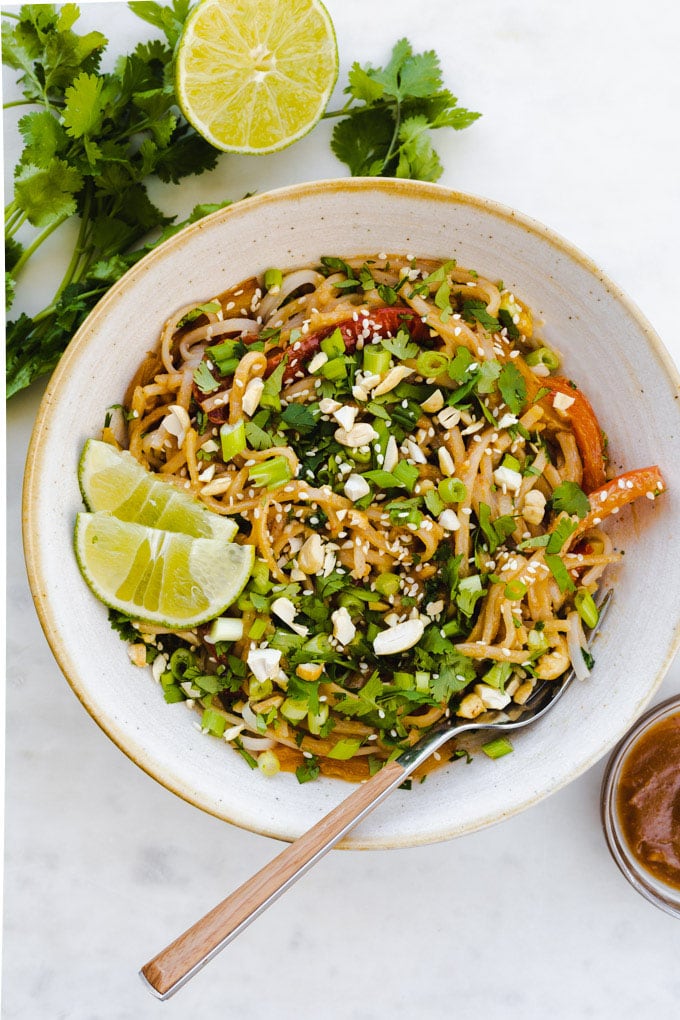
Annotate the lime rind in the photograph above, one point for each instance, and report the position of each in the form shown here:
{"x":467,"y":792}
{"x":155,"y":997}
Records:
{"x":156,"y":576}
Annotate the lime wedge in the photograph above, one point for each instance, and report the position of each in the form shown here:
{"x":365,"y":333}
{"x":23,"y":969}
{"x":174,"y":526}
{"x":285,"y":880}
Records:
{"x":159,"y":576}
{"x":253,"y":76}
{"x":113,"y":480}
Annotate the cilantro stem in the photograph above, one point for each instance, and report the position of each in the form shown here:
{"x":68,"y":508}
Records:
{"x":14,"y":221}
{"x":395,"y":136}
{"x":26,"y":254}
{"x":343,"y":112}
{"x":20,"y":102}
{"x":79,"y":248}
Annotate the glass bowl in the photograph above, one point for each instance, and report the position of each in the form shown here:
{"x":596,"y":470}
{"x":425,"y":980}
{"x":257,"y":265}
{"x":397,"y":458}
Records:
{"x":654,"y":889}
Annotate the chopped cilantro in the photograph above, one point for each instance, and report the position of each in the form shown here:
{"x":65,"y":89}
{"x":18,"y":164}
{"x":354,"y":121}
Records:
{"x":475,"y":310}
{"x":571,"y":498}
{"x":205,"y":380}
{"x":401,"y":346}
{"x":513,"y":388}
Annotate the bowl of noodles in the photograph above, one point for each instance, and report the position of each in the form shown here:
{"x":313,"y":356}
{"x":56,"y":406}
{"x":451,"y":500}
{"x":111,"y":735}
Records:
{"x":440,"y":428}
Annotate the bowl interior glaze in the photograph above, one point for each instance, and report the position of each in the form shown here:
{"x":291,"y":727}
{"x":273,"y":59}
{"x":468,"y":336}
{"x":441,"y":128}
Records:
{"x":608,"y":348}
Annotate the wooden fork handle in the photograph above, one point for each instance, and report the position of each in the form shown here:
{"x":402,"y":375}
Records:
{"x":179,"y":961}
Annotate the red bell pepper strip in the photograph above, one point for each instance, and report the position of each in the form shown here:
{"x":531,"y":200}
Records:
{"x":610,"y":497}
{"x":587,"y":431}
{"x":384,"y":321}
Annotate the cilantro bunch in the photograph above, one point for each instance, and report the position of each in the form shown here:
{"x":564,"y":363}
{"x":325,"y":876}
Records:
{"x":93,"y":140}
{"x":91,"y":143}
{"x":391,"y":113}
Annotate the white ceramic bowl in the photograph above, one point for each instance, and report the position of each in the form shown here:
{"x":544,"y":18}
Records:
{"x":608,"y":348}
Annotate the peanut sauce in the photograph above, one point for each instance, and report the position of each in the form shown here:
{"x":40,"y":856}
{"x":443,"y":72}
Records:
{"x":648,"y":800}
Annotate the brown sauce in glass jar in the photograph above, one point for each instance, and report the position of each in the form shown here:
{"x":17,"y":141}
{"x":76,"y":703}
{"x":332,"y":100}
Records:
{"x":648,"y":800}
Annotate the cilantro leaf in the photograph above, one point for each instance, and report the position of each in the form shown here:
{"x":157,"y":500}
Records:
{"x":559,"y":535}
{"x":417,"y":157}
{"x":513,"y":388}
{"x":47,"y":194}
{"x":299,"y":417}
{"x":362,"y":141}
{"x":571,"y":498}
{"x":497,"y":531}
{"x":205,"y":380}
{"x":86,"y":100}
{"x":386,"y":126}
{"x":475,"y":310}
{"x":559,"y":572}
{"x":308,"y":771}
{"x":401,"y":346}
{"x":452,"y":678}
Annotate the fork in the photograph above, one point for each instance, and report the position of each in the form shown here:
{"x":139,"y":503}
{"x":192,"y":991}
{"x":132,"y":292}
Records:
{"x":167,"y":972}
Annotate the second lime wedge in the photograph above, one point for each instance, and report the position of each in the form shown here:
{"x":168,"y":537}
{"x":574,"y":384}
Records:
{"x":159,"y":576}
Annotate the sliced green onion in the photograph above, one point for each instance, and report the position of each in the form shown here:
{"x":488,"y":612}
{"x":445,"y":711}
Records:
{"x":404,"y":681}
{"x":334,"y":369}
{"x":173,"y":694}
{"x":258,"y":689}
{"x":180,"y":660}
{"x":376,"y":360}
{"x":258,"y":628}
{"x":220,"y":352}
{"x":543,"y":356}
{"x":387,"y":583}
{"x":294,"y":709}
{"x":433,"y":502}
{"x":360,"y":456}
{"x":431,"y":364}
{"x":273,"y":278}
{"x":333,"y":345}
{"x":213,"y":722}
{"x":226,"y":628}
{"x":511,"y":462}
{"x":406,"y":474}
{"x":272,"y":473}
{"x":344,"y":749}
{"x":351,"y":602}
{"x":515,"y":590}
{"x":228,"y":366}
{"x":537,"y":642}
{"x":260,"y":580}
{"x":315,"y":720}
{"x":498,"y":675}
{"x":423,"y":681}
{"x":233,"y":439}
{"x":268,"y":763}
{"x":451,"y":629}
{"x":452,"y":490}
{"x":586,"y":608}
{"x":471,"y":583}
{"x":497,"y":748}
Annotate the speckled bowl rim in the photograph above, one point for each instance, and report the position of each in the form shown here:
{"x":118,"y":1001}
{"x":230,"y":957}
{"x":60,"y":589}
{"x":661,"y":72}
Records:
{"x":415,"y":191}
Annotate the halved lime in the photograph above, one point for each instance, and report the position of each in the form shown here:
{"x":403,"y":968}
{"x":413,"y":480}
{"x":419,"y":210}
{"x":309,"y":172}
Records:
{"x":159,"y":576}
{"x":253,"y":76}
{"x":113,"y":480}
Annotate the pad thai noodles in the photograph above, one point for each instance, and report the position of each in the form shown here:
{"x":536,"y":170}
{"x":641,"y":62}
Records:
{"x":424,"y":489}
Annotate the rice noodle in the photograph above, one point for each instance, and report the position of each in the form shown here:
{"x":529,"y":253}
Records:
{"x":342,"y":546}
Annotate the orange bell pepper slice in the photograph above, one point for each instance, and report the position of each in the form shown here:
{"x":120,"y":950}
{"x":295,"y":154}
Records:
{"x":587,"y":431}
{"x":610,"y":497}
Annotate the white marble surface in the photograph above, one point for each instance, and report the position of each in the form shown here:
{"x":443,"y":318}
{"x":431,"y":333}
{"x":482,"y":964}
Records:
{"x":524,"y":920}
